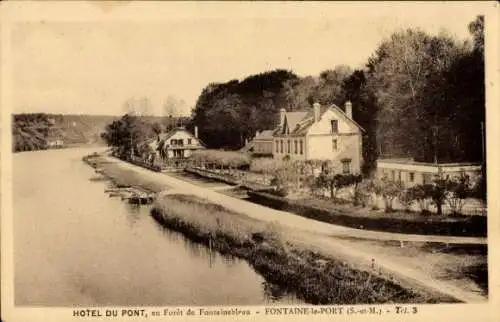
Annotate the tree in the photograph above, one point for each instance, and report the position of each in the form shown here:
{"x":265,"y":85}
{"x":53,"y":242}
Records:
{"x":389,"y":190}
{"x":158,"y":128}
{"x":420,"y":193}
{"x":362,"y":192}
{"x":406,"y":198}
{"x":458,"y":191}
{"x":476,"y":28}
{"x":229,"y":113}
{"x":437,"y":193}
{"x":332,"y":178}
{"x":329,"y":89}
{"x":365,"y":114}
{"x":127,"y":134}
{"x":398,"y":73}
{"x":298,"y":92}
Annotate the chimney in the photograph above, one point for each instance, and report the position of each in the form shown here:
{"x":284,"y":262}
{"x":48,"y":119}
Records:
{"x":282,"y":116}
{"x":257,"y":133}
{"x":316,"y":110}
{"x":196,"y":131}
{"x":348,"y":109}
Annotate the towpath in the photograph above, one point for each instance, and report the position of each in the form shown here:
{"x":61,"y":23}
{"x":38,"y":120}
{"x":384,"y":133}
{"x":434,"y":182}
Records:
{"x":322,"y":236}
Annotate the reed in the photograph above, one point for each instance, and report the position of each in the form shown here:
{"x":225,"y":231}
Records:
{"x":313,"y":277}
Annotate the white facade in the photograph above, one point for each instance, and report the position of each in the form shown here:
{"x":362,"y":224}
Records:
{"x":330,"y":135}
{"x":178,"y":143}
{"x":412,"y":173}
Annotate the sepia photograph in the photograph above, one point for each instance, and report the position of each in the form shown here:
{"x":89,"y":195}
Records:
{"x":283,"y":155}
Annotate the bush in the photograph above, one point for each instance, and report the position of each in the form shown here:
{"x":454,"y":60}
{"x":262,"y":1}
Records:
{"x":221,"y":159}
{"x":438,"y":194}
{"x":406,"y":199}
{"x":420,"y":194}
{"x":389,"y":190}
{"x":458,"y":191}
{"x":266,"y":165}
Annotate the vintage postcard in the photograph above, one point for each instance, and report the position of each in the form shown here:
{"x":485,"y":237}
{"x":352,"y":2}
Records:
{"x":249,"y":160}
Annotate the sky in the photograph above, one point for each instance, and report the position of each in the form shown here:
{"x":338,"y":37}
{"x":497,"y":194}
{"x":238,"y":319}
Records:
{"x":93,"y":67}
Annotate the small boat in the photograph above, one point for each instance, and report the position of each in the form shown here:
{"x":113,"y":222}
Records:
{"x":139,"y":198}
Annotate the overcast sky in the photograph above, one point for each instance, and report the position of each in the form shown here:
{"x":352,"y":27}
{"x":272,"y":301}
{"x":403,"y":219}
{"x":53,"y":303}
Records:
{"x":93,"y":67}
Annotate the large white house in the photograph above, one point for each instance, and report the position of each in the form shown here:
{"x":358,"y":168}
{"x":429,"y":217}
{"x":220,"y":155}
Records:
{"x":322,"y":133}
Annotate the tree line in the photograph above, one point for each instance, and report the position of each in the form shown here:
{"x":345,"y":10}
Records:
{"x":419,"y":96}
{"x":130,"y":134}
{"x":30,"y":131}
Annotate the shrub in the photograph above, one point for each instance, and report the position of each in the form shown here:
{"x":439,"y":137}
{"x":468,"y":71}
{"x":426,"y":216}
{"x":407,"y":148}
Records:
{"x":438,"y":194}
{"x":420,"y":194}
{"x":315,"y":186}
{"x":221,"y":159}
{"x":266,"y":165}
{"x":458,"y":191}
{"x":389,"y":190}
{"x":406,"y":199}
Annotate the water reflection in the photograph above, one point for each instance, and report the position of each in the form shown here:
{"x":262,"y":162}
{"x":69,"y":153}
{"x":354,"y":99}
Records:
{"x":90,"y":249}
{"x":133,"y":213}
{"x":272,"y":292}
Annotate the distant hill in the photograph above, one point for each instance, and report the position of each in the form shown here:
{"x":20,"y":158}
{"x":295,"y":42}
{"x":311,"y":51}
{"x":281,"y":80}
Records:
{"x":31,"y":131}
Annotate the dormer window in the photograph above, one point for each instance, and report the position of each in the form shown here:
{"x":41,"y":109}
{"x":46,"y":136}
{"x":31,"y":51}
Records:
{"x":335,"y":126}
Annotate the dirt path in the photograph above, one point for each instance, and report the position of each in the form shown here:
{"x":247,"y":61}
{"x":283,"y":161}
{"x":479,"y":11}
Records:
{"x":322,"y":237}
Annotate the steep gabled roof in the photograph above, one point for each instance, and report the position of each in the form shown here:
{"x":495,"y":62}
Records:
{"x":344,"y":115}
{"x":163,"y":137}
{"x":307,"y":121}
{"x":299,"y":122}
{"x":292,"y":119}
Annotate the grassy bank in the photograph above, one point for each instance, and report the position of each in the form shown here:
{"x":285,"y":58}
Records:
{"x":315,"y":278}
{"x":121,"y":177}
{"x":358,"y":217}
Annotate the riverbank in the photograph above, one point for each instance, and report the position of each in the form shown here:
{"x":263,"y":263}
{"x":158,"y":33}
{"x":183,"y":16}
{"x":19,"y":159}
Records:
{"x":312,"y":276}
{"x":121,"y":177}
{"x":427,"y":270}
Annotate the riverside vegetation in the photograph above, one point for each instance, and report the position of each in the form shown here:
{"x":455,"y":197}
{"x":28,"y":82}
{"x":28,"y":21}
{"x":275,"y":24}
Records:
{"x":319,"y":190}
{"x":312,"y":276}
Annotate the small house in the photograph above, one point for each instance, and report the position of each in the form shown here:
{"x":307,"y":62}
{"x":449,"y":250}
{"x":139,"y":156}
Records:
{"x":177,"y":143}
{"x":54,"y":142}
{"x":411,"y":173}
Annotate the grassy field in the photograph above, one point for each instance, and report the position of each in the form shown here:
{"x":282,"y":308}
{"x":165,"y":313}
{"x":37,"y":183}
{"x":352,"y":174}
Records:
{"x":311,"y":275}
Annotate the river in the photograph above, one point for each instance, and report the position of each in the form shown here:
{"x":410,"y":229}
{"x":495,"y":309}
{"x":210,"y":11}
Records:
{"x":76,"y":246}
